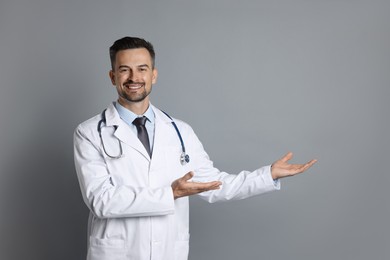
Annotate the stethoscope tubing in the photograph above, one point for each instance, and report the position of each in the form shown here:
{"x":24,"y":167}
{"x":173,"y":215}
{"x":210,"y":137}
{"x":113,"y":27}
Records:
{"x":184,"y":157}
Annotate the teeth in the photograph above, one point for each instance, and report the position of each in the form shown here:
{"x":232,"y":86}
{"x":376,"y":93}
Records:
{"x":134,"y":86}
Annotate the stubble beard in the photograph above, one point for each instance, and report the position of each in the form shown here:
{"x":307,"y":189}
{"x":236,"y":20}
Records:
{"x":136,"y":97}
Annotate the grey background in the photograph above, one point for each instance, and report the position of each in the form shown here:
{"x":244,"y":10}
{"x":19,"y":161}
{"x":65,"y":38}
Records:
{"x":310,"y":77}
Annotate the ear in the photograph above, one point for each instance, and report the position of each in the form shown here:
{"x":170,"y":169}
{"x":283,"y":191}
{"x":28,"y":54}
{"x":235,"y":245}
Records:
{"x":155,"y":74}
{"x":112,"y":77}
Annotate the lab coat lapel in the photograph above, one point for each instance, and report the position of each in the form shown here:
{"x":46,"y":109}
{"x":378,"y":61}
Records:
{"x":123,"y":131}
{"x":162,"y":126}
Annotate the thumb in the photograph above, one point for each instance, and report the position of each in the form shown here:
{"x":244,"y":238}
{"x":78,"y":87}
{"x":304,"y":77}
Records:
{"x":287,"y":157}
{"x":187,"y":176}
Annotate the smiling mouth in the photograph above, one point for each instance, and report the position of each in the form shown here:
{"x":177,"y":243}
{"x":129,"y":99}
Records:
{"x":134,"y":86}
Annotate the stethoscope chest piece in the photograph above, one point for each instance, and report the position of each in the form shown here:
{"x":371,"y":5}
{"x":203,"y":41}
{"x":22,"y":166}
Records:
{"x":184,"y":158}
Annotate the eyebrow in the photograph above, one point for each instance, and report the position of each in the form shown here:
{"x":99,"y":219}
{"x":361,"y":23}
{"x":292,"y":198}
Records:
{"x":138,"y":66}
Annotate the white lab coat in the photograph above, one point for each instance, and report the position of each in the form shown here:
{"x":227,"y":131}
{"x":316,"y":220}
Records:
{"x":132,"y":211}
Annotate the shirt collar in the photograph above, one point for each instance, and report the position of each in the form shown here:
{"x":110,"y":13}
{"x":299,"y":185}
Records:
{"x":128,"y":116}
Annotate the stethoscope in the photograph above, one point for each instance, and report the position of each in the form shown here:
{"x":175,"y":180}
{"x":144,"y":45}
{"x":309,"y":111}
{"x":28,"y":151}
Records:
{"x":184,"y":157}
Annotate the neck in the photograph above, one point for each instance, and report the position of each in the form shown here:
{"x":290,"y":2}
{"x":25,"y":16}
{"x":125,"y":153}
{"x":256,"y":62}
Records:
{"x":138,"y":108}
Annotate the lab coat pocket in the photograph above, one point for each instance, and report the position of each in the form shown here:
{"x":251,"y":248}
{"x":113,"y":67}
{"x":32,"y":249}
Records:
{"x":182,"y":248}
{"x":106,"y":249}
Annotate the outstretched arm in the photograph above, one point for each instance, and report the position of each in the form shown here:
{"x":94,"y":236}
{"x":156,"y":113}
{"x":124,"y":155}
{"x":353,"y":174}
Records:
{"x":279,"y":169}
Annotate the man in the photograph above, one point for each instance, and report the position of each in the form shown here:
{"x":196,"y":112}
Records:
{"x":134,"y":172}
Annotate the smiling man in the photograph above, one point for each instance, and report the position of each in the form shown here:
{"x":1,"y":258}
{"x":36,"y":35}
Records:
{"x":137,"y":166}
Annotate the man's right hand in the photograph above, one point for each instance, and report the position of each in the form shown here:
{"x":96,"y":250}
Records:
{"x":183,"y":187}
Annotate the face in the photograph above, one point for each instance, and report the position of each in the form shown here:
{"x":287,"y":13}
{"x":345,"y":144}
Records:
{"x":133,"y":77}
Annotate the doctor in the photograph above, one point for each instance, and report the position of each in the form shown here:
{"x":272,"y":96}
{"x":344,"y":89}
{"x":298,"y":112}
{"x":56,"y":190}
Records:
{"x":137,"y":166}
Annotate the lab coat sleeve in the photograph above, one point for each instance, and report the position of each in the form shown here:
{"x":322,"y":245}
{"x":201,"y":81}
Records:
{"x":234,"y":186}
{"x":104,"y":197}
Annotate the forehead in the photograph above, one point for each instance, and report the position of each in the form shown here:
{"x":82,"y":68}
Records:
{"x":134,"y":57}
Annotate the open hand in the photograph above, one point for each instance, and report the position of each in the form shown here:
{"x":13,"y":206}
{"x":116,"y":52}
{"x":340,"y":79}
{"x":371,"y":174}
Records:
{"x":281,"y":168}
{"x":183,"y":187}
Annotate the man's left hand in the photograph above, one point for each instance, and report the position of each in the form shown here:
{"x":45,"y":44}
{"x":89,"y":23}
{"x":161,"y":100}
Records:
{"x":281,"y":168}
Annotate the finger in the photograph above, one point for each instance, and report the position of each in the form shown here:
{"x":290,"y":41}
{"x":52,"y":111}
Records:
{"x":312,"y":162}
{"x":187,"y":176}
{"x":299,"y":168}
{"x":202,"y":186}
{"x":287,"y":157}
{"x":213,"y":188}
{"x":207,"y":185}
{"x":309,"y":164}
{"x":210,"y":188}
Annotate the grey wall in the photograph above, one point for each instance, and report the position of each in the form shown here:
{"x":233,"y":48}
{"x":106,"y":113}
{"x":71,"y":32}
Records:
{"x":307,"y":76}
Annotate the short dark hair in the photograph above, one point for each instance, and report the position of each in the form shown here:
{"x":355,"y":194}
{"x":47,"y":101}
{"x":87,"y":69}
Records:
{"x":130,"y":43}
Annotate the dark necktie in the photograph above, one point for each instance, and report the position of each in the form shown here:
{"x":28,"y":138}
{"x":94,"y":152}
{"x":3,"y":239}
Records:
{"x":139,"y":122}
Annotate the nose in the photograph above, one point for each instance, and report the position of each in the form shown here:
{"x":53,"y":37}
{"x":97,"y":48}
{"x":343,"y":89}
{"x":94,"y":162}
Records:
{"x":133,"y":75}
{"x":130,"y":75}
